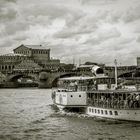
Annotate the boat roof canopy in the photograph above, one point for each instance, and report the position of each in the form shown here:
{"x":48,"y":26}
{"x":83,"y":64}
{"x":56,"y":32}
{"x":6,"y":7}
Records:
{"x":77,"y":78}
{"x":82,"y":78}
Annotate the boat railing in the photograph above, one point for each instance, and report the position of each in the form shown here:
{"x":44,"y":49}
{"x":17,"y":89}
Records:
{"x":79,"y":88}
{"x":120,"y":104}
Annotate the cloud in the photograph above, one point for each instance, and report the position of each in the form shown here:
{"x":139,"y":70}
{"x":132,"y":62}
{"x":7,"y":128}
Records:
{"x":98,"y":2}
{"x":138,"y":39}
{"x":7,"y":10}
{"x":131,"y":14}
{"x":103,"y":35}
{"x":92,"y":30}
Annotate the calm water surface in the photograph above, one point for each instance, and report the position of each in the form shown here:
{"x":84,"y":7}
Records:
{"x":27,"y":114}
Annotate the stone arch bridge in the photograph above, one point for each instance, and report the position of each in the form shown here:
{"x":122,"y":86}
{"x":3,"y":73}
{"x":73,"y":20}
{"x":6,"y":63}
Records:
{"x":50,"y":78}
{"x":43,"y":78}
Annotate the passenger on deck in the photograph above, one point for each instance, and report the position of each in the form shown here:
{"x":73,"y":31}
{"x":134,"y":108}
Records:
{"x":108,"y":100}
{"x":137,"y":98}
{"x":76,"y":85}
{"x":128,"y":100}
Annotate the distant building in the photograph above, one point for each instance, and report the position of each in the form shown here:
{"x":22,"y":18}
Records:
{"x":9,"y":61}
{"x":37,"y":52}
{"x":35,"y":56}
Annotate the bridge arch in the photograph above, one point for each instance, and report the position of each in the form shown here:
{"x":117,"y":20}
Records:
{"x":127,"y":74}
{"x":55,"y":80}
{"x":14,"y":78}
{"x":135,"y":73}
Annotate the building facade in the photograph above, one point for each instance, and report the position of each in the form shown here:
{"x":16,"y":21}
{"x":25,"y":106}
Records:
{"x":35,"y":55}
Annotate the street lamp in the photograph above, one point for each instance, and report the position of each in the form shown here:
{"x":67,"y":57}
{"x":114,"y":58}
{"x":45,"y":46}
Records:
{"x":116,"y":82}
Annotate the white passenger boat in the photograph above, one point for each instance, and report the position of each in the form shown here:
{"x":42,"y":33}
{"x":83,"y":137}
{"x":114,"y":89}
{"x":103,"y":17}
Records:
{"x":97,"y":99}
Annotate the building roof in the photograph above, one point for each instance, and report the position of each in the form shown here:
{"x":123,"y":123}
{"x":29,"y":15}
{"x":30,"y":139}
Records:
{"x":35,"y":46}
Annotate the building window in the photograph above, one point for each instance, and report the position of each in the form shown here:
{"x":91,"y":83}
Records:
{"x":98,"y":111}
{"x":92,"y":110}
{"x":9,"y":67}
{"x":102,"y":112}
{"x":95,"y":110}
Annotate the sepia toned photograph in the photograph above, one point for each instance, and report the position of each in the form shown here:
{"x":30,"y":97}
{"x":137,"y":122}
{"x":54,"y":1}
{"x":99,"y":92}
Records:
{"x":69,"y":69}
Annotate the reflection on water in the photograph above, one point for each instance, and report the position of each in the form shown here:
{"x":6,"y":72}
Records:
{"x":28,"y":114}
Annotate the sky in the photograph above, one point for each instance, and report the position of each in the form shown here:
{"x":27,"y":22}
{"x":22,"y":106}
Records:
{"x":75,"y":30}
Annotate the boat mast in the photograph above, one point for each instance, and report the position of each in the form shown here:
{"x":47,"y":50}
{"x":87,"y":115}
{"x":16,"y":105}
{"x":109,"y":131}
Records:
{"x":116,"y":82}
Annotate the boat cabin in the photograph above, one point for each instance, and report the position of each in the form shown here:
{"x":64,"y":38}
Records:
{"x":86,"y":83}
{"x":72,"y":91}
{"x":76,"y":83}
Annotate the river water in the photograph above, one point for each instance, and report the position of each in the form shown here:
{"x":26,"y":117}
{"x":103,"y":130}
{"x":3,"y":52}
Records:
{"x":28,"y":114}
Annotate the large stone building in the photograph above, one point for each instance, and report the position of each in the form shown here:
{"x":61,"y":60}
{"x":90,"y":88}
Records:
{"x":35,"y":56}
{"x":37,"y":52}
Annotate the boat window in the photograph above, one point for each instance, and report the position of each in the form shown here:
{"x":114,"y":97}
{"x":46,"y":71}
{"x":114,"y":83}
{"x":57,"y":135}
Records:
{"x":102,"y":112}
{"x":116,"y":112}
{"x":71,"y":96}
{"x":106,"y":112}
{"x":95,"y":110}
{"x":89,"y":109}
{"x":92,"y":110}
{"x":110,"y":112}
{"x":98,"y":111}
{"x":79,"y":95}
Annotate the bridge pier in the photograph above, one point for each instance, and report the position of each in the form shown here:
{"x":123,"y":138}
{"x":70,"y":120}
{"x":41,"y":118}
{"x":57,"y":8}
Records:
{"x":10,"y":85}
{"x":44,"y":84}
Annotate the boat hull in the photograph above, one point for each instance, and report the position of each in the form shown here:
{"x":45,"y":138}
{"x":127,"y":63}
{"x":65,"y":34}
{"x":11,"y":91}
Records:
{"x":118,"y":114}
{"x":71,"y":108}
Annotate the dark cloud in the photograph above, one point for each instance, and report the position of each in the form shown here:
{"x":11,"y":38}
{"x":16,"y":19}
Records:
{"x":16,"y":27}
{"x":5,"y":2}
{"x":99,"y":2}
{"x":103,"y":36}
{"x":7,"y":14}
{"x":20,"y":38}
{"x":7,"y":11}
{"x":51,"y":10}
{"x":132,"y":14}
{"x":138,"y":39}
